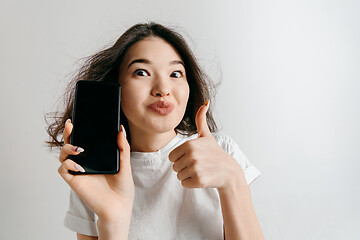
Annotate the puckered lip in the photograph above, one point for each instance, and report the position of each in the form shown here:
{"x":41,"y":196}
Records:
{"x":161,"y":104}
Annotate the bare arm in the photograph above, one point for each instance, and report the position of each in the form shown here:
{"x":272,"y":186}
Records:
{"x":85,"y":237}
{"x":112,"y":230}
{"x":240,"y":221}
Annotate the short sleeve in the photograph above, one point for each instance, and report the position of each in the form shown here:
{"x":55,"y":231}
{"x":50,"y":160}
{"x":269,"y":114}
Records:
{"x":233,"y":149}
{"x":79,"y":218}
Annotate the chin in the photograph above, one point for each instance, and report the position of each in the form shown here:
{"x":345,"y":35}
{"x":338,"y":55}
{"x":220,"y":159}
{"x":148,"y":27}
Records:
{"x":162,"y":126}
{"x":163,"y":129}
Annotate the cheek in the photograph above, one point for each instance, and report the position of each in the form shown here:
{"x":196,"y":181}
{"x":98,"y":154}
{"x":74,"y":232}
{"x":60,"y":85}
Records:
{"x":183,"y":93}
{"x":130,"y":97}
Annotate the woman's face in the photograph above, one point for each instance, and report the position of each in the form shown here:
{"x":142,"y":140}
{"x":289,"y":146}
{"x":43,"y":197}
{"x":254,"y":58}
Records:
{"x":151,"y":71}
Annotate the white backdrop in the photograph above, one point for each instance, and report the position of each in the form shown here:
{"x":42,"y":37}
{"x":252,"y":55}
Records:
{"x":289,"y":96}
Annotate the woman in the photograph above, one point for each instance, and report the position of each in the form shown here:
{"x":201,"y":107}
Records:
{"x":178,"y":179}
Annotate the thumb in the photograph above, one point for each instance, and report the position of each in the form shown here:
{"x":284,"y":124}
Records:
{"x":200,"y":120}
{"x":124,"y":148}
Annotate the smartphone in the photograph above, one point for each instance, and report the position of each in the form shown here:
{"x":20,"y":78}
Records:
{"x":96,"y":123}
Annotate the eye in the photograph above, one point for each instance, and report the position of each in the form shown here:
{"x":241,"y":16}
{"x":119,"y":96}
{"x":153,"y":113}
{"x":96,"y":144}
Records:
{"x":140,"y":71}
{"x":178,"y":75}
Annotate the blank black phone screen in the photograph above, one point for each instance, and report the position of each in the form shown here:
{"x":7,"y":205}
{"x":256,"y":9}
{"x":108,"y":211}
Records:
{"x":96,"y":123}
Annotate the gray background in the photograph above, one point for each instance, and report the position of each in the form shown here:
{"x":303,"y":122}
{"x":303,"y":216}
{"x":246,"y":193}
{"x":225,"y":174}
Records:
{"x":289,"y":96}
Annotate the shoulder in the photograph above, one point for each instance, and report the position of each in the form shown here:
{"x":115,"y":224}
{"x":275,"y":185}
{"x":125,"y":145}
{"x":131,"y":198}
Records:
{"x":233,"y":149}
{"x":224,"y":140}
{"x":222,"y":137}
{"x":229,"y":145}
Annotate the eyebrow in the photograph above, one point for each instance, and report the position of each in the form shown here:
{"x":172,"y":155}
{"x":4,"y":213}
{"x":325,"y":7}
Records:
{"x":148,"y":62}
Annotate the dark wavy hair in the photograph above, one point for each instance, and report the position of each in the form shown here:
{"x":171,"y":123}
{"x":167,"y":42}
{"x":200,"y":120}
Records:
{"x":104,"y":66}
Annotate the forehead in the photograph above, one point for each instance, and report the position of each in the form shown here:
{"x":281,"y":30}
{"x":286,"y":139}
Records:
{"x":154,"y":49}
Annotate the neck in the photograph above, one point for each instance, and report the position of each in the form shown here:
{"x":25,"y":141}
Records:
{"x":144,"y":141}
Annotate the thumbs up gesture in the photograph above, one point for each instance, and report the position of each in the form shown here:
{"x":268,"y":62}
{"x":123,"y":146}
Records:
{"x":201,"y":162}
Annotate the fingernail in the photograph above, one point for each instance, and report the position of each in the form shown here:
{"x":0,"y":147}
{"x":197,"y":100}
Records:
{"x":67,"y":121}
{"x":79,"y":149}
{"x":78,"y":167}
{"x":123,"y":130}
{"x":207,"y":103}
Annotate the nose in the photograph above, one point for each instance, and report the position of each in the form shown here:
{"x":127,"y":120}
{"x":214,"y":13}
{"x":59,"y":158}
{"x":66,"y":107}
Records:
{"x":161,"y":87}
{"x":162,"y":94}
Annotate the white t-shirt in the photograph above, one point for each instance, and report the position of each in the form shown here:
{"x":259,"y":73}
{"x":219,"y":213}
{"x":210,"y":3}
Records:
{"x":163,"y":208}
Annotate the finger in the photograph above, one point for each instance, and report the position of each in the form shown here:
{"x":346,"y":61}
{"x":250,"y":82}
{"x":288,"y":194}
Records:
{"x":67,"y":131}
{"x":192,"y":182}
{"x":69,"y":164}
{"x":185,"y":173}
{"x":188,"y":183}
{"x":182,"y":163}
{"x":200,"y":120}
{"x":124,"y":148}
{"x":67,"y":150}
{"x":178,"y":152}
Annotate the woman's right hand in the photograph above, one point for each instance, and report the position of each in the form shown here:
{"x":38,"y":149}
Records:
{"x":109,"y":196}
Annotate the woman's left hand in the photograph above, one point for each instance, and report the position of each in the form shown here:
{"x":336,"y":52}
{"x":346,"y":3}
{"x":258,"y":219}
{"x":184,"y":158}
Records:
{"x":201,"y":162}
